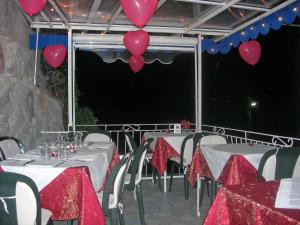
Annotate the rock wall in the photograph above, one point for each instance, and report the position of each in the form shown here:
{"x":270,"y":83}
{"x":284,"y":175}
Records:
{"x":25,"y":109}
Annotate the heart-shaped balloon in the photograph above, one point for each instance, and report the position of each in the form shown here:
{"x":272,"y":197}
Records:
{"x":55,"y":55}
{"x":250,"y":51}
{"x":136,"y":63}
{"x":136,"y":42}
{"x":139,"y":12}
{"x":32,"y":7}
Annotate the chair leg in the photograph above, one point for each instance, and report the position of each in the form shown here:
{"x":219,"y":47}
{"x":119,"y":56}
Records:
{"x":154,"y":174}
{"x":212,"y":191}
{"x":207,"y":186}
{"x":113,"y":217}
{"x":203,"y":184}
{"x":159,"y":182}
{"x":140,"y":204}
{"x":121,"y":217}
{"x":171,"y":176}
{"x":186,"y":187}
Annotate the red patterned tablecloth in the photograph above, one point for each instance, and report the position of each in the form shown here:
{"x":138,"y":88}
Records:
{"x":198,"y":166}
{"x":237,"y":170}
{"x":163,"y":151}
{"x":71,"y":195}
{"x":250,"y":204}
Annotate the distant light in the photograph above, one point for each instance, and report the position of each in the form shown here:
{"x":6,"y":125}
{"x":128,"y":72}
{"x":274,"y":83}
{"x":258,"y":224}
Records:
{"x":263,"y":25}
{"x":243,"y":33}
{"x":253,"y":104}
{"x":280,"y":18}
{"x":252,"y":28}
{"x":295,"y":9}
{"x":51,"y":9}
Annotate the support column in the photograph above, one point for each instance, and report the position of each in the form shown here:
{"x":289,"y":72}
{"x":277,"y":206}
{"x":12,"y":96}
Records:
{"x":198,"y":84}
{"x":70,"y":81}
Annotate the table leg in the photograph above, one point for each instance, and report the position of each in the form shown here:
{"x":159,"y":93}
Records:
{"x":165,"y":181}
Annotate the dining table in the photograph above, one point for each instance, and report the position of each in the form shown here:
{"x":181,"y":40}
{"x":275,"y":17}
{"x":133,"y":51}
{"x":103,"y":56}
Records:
{"x":228,"y":164}
{"x":164,"y":146}
{"x":68,"y":186}
{"x":252,"y":203}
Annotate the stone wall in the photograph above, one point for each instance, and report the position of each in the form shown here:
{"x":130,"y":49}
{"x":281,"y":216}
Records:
{"x":25,"y":109}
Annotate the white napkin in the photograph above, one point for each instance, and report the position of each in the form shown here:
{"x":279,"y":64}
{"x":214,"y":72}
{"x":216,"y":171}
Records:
{"x":288,"y":195}
{"x":89,"y":157}
{"x":25,"y":157}
{"x":45,"y":163}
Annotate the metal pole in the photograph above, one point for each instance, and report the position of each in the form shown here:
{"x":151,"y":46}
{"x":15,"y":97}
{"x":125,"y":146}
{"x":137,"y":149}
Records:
{"x":74,"y":91}
{"x":70,"y":68}
{"x":36,"y":56}
{"x":199,"y":122}
{"x":196,"y":86}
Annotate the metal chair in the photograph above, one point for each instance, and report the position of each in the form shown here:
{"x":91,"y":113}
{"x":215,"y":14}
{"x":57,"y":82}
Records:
{"x":100,"y":136}
{"x":20,"y":201}
{"x":183,"y":161}
{"x":11,"y":146}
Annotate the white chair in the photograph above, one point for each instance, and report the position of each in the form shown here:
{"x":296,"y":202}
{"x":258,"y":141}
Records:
{"x":102,"y":136}
{"x":184,"y":160}
{"x":110,"y":198}
{"x":212,"y":140}
{"x":133,"y":180}
{"x":9,"y":148}
{"x":25,"y":210}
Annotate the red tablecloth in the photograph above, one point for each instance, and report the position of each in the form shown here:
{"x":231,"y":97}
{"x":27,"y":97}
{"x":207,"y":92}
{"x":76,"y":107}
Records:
{"x":237,"y":170}
{"x":163,"y":151}
{"x":198,"y":166}
{"x":250,"y":204}
{"x":71,"y":195}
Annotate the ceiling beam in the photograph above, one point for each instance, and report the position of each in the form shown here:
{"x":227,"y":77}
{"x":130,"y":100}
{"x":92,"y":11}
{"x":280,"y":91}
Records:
{"x":25,"y":14}
{"x":210,"y":14}
{"x":93,"y":12}
{"x":45,"y":17}
{"x":116,"y":11}
{"x":125,"y":28}
{"x":238,"y":6}
{"x":59,"y":12}
{"x":244,"y":25}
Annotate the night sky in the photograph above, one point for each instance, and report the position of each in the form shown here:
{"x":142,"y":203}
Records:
{"x":165,"y":93}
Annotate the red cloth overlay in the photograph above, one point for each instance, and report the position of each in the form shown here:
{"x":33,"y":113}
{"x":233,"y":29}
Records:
{"x":250,"y":204}
{"x":163,"y":151}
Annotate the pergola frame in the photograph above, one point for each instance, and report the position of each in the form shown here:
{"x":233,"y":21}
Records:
{"x":91,"y":41}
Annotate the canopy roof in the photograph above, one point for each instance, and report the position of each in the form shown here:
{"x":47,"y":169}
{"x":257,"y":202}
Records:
{"x":214,"y":19}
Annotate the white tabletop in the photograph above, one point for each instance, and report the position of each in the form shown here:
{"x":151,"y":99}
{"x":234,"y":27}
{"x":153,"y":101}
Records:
{"x":216,"y":156}
{"x":175,"y":140}
{"x":96,"y":158}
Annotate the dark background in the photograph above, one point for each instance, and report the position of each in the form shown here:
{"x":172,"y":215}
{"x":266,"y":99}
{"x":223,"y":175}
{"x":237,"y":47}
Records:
{"x":165,"y":93}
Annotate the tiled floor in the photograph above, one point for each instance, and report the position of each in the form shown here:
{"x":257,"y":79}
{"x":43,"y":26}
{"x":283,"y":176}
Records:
{"x":164,"y":208}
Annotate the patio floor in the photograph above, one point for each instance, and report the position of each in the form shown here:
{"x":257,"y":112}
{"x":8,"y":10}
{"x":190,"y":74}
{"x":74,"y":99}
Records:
{"x":164,"y":208}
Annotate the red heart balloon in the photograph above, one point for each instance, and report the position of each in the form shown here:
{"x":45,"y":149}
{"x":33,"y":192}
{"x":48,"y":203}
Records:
{"x":55,"y":55}
{"x":136,"y":42}
{"x":250,"y":51}
{"x":32,"y":7}
{"x":136,"y":63}
{"x":139,"y":12}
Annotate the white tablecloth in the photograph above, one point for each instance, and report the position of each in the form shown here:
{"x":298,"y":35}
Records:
{"x":216,"y":156}
{"x":288,"y":195}
{"x":97,"y":159}
{"x":175,"y":140}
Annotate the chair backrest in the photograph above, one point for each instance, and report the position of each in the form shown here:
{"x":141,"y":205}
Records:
{"x":137,"y":165}
{"x":188,"y":147}
{"x":213,"y":140}
{"x":115,"y":183}
{"x":286,"y":162}
{"x":22,"y":147}
{"x":267,"y":165}
{"x":130,"y":142}
{"x":9,"y":147}
{"x":19,"y":200}
{"x":100,"y":136}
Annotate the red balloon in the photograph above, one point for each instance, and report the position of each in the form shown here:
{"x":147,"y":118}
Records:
{"x":250,"y":51}
{"x":139,"y":12}
{"x":136,"y":63}
{"x":55,"y":55}
{"x":32,"y":7}
{"x":136,"y":42}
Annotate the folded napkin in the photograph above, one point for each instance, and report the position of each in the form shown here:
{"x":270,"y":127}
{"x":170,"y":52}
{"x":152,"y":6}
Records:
{"x":288,"y":195}
{"x":45,"y":163}
{"x":25,"y":157}
{"x":10,"y":162}
{"x":84,"y":157}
